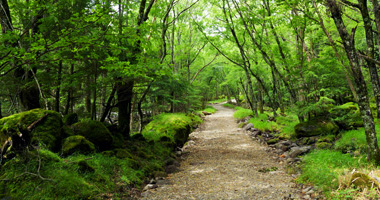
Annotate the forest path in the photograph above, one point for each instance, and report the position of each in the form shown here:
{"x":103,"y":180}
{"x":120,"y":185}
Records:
{"x":223,"y":162}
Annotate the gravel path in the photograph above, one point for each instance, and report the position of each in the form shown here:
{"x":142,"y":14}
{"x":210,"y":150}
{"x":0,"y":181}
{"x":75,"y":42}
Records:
{"x":222,"y":162}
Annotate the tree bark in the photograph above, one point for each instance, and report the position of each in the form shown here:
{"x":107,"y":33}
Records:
{"x":371,"y":53}
{"x":124,"y":104}
{"x":58,"y":91}
{"x":108,"y":106}
{"x":361,"y":87}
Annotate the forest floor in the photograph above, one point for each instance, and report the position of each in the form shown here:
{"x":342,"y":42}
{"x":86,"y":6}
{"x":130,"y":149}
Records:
{"x":220,"y":161}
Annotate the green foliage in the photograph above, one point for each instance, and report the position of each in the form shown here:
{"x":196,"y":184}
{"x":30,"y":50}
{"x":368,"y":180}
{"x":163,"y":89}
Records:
{"x":347,"y":116}
{"x":263,"y":124}
{"x":354,"y":140}
{"x":318,"y":109}
{"x":322,"y":168}
{"x":242,"y":113}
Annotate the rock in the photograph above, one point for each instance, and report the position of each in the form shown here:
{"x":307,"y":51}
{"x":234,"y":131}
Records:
{"x":47,"y":130}
{"x":346,"y":116}
{"x":152,"y":181}
{"x":248,"y":127}
{"x":122,"y":153}
{"x":206,"y":113}
{"x":84,"y":167}
{"x":171,"y":169}
{"x":255,"y":133}
{"x":77,"y":144}
{"x":296,"y":151}
{"x":314,"y":128}
{"x":323,"y":145}
{"x":182,"y":135}
{"x":362,"y":180}
{"x":178,"y":153}
{"x":95,"y":132}
{"x":159,"y":174}
{"x":283,"y":145}
{"x":138,"y":137}
{"x":70,"y":119}
{"x":273,"y":141}
{"x":150,"y":186}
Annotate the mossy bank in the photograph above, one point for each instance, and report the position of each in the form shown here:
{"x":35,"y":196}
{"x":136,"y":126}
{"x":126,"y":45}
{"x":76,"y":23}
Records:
{"x":76,"y":163}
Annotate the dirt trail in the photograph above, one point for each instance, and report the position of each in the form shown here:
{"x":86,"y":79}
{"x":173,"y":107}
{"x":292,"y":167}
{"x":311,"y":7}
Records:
{"x":223,"y":163}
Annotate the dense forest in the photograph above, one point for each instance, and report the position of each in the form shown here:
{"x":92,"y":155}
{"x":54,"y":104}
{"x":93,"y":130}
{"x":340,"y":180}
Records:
{"x":122,"y":63}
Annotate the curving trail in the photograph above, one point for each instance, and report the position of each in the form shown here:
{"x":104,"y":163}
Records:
{"x":223,"y":163}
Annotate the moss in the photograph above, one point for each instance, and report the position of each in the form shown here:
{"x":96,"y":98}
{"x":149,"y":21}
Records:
{"x":176,"y":127}
{"x":78,"y":144}
{"x":48,"y":132}
{"x":122,"y":153}
{"x":346,"y":116}
{"x":323,"y":145}
{"x":84,"y":167}
{"x":70,"y":119}
{"x":314,"y":128}
{"x":95,"y":132}
{"x":273,"y":141}
{"x":362,"y":181}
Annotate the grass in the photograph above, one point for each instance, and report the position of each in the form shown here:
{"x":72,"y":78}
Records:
{"x":354,"y":140}
{"x":210,"y":109}
{"x":69,"y":178}
{"x":242,"y":113}
{"x":218,"y":100}
{"x":229,"y":105}
{"x":322,"y":168}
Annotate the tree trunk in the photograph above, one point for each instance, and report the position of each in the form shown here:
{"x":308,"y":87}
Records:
{"x":1,"y":115}
{"x":124,"y":104}
{"x":371,"y":53}
{"x":108,"y":107}
{"x":361,"y":88}
{"x":58,"y":91}
{"x":69,"y":101}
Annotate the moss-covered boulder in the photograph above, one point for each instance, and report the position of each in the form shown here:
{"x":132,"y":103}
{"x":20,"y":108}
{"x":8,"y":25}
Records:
{"x":95,"y":132}
{"x":346,"y":116}
{"x":122,"y":153}
{"x":314,"y":128}
{"x":70,"y":119}
{"x":47,"y":132}
{"x":77,"y":144}
{"x":361,"y":180}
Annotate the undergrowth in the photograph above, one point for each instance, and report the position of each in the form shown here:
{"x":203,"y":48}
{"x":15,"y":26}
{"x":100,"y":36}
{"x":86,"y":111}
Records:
{"x":323,"y":168}
{"x":79,"y":176}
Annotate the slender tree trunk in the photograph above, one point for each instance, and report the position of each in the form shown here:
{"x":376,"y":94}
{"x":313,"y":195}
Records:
{"x":69,"y":101}
{"x":93,"y":107}
{"x":108,"y":107}
{"x":1,"y":115}
{"x":371,"y":53}
{"x":361,"y":88}
{"x":139,"y":106}
{"x":58,"y":92}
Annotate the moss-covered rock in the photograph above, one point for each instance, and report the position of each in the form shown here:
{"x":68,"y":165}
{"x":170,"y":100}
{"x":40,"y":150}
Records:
{"x":361,"y":180}
{"x":122,"y":153}
{"x":346,"y":116}
{"x":95,"y":132}
{"x":48,"y":131}
{"x":70,"y":119}
{"x":323,"y":145}
{"x":273,"y":141}
{"x":314,"y":128}
{"x":78,"y":144}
